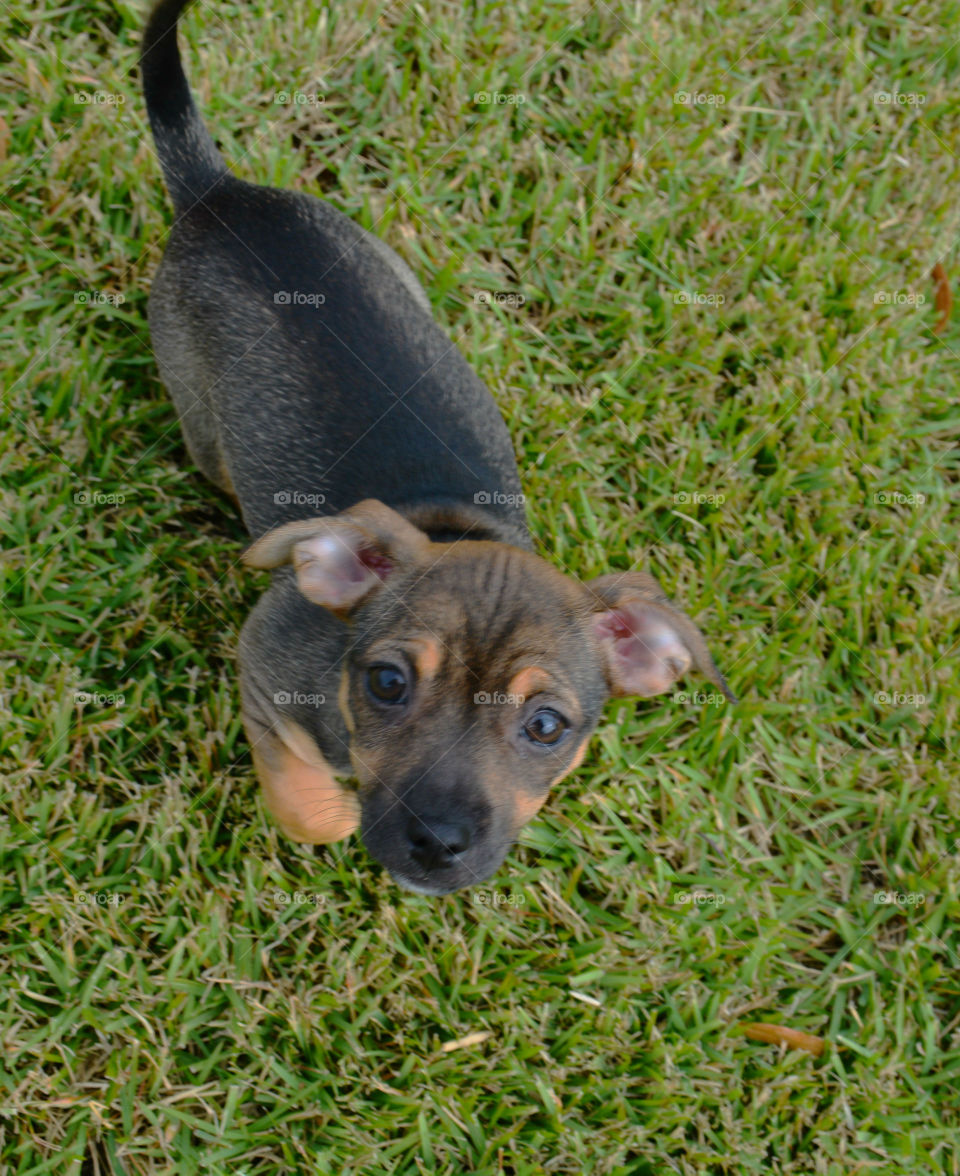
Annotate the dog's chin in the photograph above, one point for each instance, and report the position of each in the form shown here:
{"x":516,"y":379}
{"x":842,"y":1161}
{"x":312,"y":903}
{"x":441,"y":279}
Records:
{"x":433,"y":889}
{"x":443,"y":882}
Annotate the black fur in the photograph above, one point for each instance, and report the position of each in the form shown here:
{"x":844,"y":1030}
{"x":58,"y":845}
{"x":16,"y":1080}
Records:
{"x":360,"y":395}
{"x":191,"y":162}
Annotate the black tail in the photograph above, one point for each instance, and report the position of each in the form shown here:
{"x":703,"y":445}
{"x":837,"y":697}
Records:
{"x":189,"y":157}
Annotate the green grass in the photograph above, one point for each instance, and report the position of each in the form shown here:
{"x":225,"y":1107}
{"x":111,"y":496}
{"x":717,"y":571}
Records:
{"x":198,"y":1017}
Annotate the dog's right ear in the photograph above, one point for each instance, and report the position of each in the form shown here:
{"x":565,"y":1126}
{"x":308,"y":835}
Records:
{"x":340,"y":560}
{"x":646,"y":642}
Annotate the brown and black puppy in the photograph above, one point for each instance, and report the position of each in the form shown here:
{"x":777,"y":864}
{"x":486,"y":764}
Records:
{"x":410,"y":641}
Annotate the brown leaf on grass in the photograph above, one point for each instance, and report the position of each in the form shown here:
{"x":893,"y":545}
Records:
{"x":781,"y":1035}
{"x":942,"y":297}
{"x":628,"y":164}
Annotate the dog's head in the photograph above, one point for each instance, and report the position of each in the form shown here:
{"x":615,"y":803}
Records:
{"x":475,"y":676}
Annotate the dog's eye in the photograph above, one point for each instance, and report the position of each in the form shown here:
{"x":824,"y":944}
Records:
{"x":546,"y":726}
{"x":387,"y":684}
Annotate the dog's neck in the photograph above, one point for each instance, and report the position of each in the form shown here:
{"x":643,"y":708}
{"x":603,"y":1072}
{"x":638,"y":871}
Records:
{"x":447,"y":520}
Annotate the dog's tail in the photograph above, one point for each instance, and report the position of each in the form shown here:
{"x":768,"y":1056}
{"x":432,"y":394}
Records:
{"x":189,"y":157}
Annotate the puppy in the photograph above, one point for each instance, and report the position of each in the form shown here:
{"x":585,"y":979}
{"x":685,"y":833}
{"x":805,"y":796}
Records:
{"x":414,"y":669}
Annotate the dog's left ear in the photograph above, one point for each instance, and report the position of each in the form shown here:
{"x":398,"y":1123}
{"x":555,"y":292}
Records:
{"x":342,"y":559}
{"x":647,"y":643}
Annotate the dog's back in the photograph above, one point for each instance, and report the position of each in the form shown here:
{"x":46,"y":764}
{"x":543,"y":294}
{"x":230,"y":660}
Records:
{"x":299,"y":349}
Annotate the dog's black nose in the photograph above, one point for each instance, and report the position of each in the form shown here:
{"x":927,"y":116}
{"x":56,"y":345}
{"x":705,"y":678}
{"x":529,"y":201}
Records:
{"x":435,"y":844}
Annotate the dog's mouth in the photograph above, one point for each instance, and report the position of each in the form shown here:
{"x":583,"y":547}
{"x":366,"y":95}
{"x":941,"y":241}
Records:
{"x":459,"y":875}
{"x":434,"y":888}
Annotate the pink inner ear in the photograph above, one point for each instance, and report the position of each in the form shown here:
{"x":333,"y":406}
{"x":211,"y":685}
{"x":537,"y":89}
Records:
{"x":376,"y":561}
{"x":645,"y":653}
{"x":332,"y":572}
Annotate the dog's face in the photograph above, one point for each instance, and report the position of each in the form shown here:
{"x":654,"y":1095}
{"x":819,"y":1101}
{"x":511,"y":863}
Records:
{"x":475,"y":675}
{"x":472,"y":686}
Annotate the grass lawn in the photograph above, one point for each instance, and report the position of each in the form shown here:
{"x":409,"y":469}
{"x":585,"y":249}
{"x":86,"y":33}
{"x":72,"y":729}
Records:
{"x":717,"y":226}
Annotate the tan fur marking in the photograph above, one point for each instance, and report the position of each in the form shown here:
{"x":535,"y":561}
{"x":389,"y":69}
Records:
{"x":525,"y":808}
{"x":575,"y":763}
{"x":300,"y":791}
{"x":427,"y":655}
{"x":343,"y":702}
{"x":528,"y":681}
{"x":226,"y":482}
